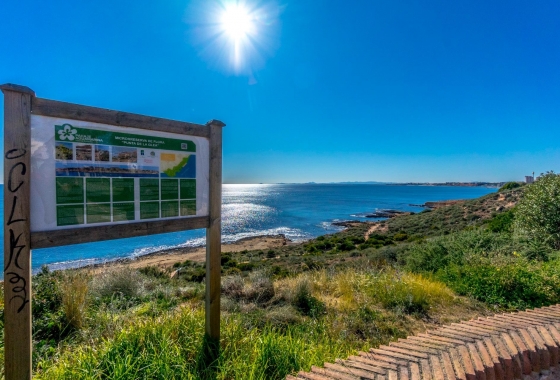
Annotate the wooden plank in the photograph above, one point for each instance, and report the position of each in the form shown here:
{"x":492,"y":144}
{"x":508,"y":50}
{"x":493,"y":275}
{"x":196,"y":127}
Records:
{"x":17,"y":247}
{"x":55,"y":238}
{"x":213,"y":234}
{"x":64,"y":110}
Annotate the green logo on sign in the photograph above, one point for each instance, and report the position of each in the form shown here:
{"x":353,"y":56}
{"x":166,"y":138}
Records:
{"x":67,"y":132}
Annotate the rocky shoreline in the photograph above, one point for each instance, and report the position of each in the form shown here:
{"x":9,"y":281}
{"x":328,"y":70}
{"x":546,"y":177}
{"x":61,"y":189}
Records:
{"x":388,"y":214}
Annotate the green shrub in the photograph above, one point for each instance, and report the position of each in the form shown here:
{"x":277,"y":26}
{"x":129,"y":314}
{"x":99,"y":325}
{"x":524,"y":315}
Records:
{"x":538,"y":212}
{"x":502,"y":222}
{"x":513,"y":285}
{"x":376,"y":241}
{"x":305,"y":302}
{"x":509,"y":186}
{"x":195,"y":273}
{"x":278,"y":271}
{"x":346,"y":245}
{"x":458,"y":248}
{"x":49,"y":322}
{"x":386,"y":254}
{"x":155,"y":272}
{"x":246,"y":266}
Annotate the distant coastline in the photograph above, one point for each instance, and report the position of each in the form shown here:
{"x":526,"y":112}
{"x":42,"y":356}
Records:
{"x":463,"y":184}
{"x":457,"y":184}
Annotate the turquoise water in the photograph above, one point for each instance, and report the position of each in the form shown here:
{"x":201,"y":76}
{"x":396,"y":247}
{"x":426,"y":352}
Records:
{"x":300,"y":211}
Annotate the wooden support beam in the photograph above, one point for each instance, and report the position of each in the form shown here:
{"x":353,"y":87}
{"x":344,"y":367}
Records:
{"x":53,"y":108}
{"x":17,"y":243}
{"x":55,"y":238}
{"x":213,"y":239}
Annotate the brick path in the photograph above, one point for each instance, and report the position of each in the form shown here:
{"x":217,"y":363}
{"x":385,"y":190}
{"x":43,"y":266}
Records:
{"x":524,"y":345}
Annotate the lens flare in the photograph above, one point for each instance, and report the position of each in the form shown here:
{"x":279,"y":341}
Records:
{"x":235,"y":35}
{"x":237,"y":22}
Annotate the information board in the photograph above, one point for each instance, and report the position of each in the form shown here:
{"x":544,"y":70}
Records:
{"x":76,"y":174}
{"x":87,"y":174}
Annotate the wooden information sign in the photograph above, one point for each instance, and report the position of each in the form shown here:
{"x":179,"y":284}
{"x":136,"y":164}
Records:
{"x":76,"y":174}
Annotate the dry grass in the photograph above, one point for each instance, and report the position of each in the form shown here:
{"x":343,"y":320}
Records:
{"x":124,"y":281}
{"x":257,"y":288}
{"x":74,"y":288}
{"x":411,"y":296}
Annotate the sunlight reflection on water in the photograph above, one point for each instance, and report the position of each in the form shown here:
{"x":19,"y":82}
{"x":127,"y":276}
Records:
{"x":300,"y":212}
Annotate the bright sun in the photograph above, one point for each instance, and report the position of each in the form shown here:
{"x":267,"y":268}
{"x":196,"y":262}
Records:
{"x":237,"y":22}
{"x":238,"y":34}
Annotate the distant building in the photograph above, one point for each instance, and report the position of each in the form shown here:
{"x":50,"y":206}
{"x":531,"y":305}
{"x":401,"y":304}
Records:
{"x":529,"y":179}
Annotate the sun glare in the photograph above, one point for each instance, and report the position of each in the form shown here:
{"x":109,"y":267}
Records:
{"x":239,"y":34}
{"x":237,"y":22}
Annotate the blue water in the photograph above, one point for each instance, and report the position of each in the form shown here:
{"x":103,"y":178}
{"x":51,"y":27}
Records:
{"x":300,"y":212}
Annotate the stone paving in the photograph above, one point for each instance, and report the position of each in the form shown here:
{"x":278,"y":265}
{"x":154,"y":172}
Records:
{"x":523,"y":345}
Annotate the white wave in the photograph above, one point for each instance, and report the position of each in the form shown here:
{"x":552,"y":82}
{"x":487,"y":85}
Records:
{"x":70,"y":264}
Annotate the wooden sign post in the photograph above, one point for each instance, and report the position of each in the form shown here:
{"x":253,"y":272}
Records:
{"x":76,"y":174}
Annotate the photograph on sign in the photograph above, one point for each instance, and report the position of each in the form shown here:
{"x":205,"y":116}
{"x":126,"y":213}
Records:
{"x":85,"y":174}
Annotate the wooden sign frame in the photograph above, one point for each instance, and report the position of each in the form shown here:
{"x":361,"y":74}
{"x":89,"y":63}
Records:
{"x":20,"y":103}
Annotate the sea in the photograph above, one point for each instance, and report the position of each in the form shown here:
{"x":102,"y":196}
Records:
{"x":298,"y":211}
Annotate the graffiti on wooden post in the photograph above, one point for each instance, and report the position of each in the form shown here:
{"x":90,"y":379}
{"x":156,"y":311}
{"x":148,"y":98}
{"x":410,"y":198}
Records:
{"x":17,"y":283}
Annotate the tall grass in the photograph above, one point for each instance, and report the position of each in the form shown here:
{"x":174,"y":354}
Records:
{"x":406,"y":292}
{"x":74,"y":289}
{"x":311,"y":318}
{"x":169,"y":348}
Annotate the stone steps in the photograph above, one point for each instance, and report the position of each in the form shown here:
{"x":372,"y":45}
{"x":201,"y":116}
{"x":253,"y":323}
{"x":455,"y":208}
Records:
{"x":522,"y":345}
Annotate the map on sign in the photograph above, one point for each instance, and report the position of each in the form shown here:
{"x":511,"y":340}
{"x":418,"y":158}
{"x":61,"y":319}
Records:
{"x":177,"y":165}
{"x":104,"y":176}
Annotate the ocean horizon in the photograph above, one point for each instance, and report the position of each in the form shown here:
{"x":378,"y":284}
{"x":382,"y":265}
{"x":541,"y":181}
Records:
{"x":298,"y":211}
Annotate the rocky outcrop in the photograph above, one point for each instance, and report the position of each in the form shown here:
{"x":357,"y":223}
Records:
{"x":387,"y":214}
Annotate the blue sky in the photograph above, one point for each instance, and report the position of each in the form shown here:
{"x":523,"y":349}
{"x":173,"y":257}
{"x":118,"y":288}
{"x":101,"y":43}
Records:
{"x":330,"y":90}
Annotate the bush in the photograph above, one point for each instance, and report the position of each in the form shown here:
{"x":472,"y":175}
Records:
{"x":49,"y":322}
{"x":387,"y":254}
{"x":502,"y":222}
{"x":514,"y":285}
{"x":538,"y":212}
{"x":376,"y":241}
{"x":232,"y":287}
{"x":123,"y":281}
{"x":260,"y":288}
{"x":458,"y":248}
{"x":346,"y":245}
{"x":155,"y":272}
{"x":282,"y":316}
{"x":305,"y":302}
{"x":246,"y":266}
{"x":509,"y":186}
